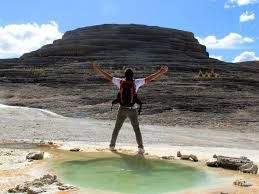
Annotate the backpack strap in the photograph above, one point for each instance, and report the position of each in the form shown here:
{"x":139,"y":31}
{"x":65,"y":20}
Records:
{"x":132,"y":92}
{"x":138,"y":101}
{"x":140,"y":108}
{"x":133,"y":95}
{"x":121,"y":90}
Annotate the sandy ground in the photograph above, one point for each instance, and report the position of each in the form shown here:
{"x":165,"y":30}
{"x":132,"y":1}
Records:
{"x":34,"y":125}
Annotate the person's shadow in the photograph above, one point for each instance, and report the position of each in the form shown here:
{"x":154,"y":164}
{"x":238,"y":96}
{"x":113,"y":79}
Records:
{"x":136,"y":163}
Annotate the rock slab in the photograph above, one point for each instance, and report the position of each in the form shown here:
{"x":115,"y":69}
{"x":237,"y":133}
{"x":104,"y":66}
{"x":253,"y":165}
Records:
{"x":243,"y":164}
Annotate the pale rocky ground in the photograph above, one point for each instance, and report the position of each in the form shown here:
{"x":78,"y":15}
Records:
{"x":21,"y":123}
{"x":15,"y":169}
{"x":35,"y":125}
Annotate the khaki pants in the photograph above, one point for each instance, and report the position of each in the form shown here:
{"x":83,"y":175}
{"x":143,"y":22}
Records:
{"x":123,"y":113}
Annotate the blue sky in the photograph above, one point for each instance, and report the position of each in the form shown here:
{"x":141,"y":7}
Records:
{"x":26,"y":25}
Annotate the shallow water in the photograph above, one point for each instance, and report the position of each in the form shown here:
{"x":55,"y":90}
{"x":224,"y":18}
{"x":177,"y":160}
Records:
{"x":131,"y":174}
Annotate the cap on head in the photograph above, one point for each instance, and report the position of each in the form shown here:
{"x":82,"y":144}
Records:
{"x":129,"y":74}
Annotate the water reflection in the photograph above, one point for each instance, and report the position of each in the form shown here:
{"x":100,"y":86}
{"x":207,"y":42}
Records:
{"x":131,"y":174}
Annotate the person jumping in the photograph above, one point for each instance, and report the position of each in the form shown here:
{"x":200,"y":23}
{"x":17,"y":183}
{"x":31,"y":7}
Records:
{"x":127,"y":97}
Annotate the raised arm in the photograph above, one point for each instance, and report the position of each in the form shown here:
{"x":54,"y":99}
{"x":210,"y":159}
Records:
{"x":156,"y":75}
{"x":101,"y":72}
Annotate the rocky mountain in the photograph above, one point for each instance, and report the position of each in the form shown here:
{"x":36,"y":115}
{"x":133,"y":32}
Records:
{"x":197,"y":90}
{"x":112,"y":45}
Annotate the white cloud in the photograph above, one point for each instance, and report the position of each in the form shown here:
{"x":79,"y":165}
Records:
{"x":231,"y":41}
{"x":246,"y":56}
{"x":217,"y":57}
{"x":234,"y":3}
{"x":246,"y":16}
{"x":17,"y":39}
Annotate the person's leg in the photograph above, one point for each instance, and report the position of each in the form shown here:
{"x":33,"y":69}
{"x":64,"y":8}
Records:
{"x":121,"y":116}
{"x":133,"y":116}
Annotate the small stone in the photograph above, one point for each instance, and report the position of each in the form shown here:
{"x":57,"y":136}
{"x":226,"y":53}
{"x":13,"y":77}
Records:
{"x":42,"y":142}
{"x":194,"y":158}
{"x":168,"y":157}
{"x":35,"y":190}
{"x":37,"y":183}
{"x":185,"y":157}
{"x":12,"y":190}
{"x":178,"y":154}
{"x":75,"y":150}
{"x":19,"y":189}
{"x":212,"y":164}
{"x":62,"y":188}
{"x":242,"y":183}
{"x":65,"y":187}
{"x":59,"y":184}
{"x":49,"y":179}
{"x":35,"y":155}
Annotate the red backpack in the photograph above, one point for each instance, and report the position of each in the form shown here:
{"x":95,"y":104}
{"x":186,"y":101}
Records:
{"x":127,"y":96}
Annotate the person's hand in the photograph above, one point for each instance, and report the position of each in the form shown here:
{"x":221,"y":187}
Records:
{"x":163,"y":69}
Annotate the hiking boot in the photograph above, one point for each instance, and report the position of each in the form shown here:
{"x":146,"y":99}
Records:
{"x":112,"y":149}
{"x":141,"y":151}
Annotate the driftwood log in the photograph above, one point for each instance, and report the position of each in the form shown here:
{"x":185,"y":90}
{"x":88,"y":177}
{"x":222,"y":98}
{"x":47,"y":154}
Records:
{"x":243,"y":164}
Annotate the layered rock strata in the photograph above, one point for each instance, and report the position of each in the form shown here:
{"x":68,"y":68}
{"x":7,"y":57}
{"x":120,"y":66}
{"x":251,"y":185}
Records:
{"x":59,"y":77}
